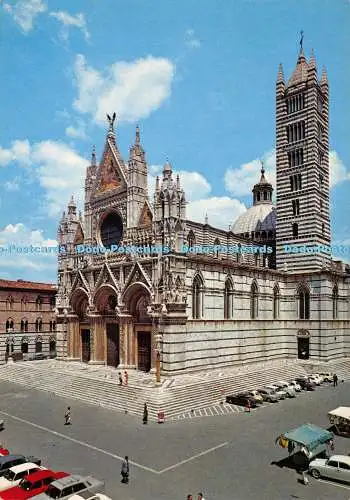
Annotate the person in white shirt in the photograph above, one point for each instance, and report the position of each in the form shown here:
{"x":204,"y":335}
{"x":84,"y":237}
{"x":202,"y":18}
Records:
{"x":200,"y":496}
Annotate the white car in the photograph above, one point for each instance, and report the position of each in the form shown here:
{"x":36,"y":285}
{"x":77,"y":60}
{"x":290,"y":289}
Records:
{"x":335,"y":467}
{"x":319,"y":377}
{"x":314,"y":379}
{"x":290,"y":391}
{"x":94,"y":496}
{"x":14,"y":475}
{"x":281,"y":394}
{"x":295,"y":385}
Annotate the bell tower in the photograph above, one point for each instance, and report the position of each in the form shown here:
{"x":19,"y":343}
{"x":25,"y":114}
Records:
{"x":302,"y":168}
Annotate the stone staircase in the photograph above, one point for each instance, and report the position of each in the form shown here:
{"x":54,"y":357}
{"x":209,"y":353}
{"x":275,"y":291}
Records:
{"x":176,"y":395}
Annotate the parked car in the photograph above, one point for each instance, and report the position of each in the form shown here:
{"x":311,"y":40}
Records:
{"x":33,"y":485}
{"x":11,"y":460}
{"x":314,"y":379}
{"x":66,"y":487}
{"x":241,"y":400}
{"x":289,"y":390}
{"x":335,"y":467}
{"x":268,"y":395}
{"x":318,"y":376}
{"x":14,"y":475}
{"x":86,"y":495}
{"x":280,"y":394}
{"x":327,"y":377}
{"x":295,"y":385}
{"x":256,"y":396}
{"x":4,"y":451}
{"x":305,"y":384}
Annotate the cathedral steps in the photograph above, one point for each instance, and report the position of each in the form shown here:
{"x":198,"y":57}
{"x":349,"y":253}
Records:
{"x":179,"y":397}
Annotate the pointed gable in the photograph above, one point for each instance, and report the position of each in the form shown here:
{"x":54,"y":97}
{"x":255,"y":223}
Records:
{"x":111,"y":172}
{"x":146,"y":216}
{"x":79,"y":236}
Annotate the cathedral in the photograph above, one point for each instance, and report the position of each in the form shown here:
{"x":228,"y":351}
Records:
{"x":142,"y":287}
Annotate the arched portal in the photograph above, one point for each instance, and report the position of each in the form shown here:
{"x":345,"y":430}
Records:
{"x":303,"y":344}
{"x":137,"y":298}
{"x":106,"y":301}
{"x":80,"y":341}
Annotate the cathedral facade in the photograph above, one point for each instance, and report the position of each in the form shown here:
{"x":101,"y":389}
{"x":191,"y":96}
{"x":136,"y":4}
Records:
{"x":139,"y":283}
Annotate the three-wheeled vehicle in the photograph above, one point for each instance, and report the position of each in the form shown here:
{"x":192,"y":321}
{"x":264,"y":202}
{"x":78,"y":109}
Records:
{"x":340,"y":420}
{"x":305,"y":443}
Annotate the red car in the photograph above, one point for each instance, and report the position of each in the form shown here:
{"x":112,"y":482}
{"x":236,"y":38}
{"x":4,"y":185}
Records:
{"x":32,"y":485}
{"x":4,"y":451}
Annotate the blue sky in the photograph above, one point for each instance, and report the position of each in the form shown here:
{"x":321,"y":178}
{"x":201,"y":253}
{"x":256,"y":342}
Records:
{"x":197,"y":76}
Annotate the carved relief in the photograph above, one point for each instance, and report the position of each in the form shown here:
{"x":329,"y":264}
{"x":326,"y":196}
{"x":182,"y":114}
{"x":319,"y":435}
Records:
{"x":109,"y":179}
{"x":146,"y":216}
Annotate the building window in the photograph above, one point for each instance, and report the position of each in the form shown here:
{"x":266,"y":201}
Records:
{"x":304,"y":303}
{"x":38,"y":303}
{"x":276,"y":302}
{"x":296,"y":132}
{"x":9,"y":303}
{"x":323,"y":226}
{"x":22,"y":325}
{"x":295,"y":230}
{"x":319,"y":104}
{"x":321,"y":205}
{"x":228,"y":300}
{"x":295,"y":182}
{"x":50,"y":326}
{"x":197,"y":298}
{"x":54,"y":326}
{"x":254,"y":302}
{"x":38,"y":346}
{"x":9,"y":325}
{"x":296,"y":207}
{"x":335,"y":301}
{"x":320,"y":158}
{"x":296,"y":157}
{"x":24,"y":346}
{"x":23,"y":304}
{"x":216,"y":250}
{"x":295,"y":103}
{"x":320,"y":132}
{"x":191,"y":240}
{"x":53,"y":302}
{"x":38,"y":325}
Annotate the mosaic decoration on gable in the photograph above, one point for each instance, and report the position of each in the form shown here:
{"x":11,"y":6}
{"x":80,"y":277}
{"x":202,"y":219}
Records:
{"x":109,"y":177}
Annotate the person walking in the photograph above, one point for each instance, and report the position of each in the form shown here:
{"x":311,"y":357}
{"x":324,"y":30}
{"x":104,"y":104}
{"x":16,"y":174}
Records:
{"x":120,"y":378}
{"x":125,"y":470}
{"x":126,"y":377}
{"x":335,"y":380}
{"x":67,"y":416}
{"x":200,"y":496}
{"x":145,"y":414}
{"x":189,"y":497}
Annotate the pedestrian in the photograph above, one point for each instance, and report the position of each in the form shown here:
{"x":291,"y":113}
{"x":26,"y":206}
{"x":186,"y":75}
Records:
{"x":248,"y":406}
{"x":126,"y":377}
{"x":189,"y":497}
{"x":145,"y":414}
{"x":125,"y":470}
{"x":200,"y":496}
{"x":335,"y":380}
{"x":67,"y":416}
{"x":120,"y":378}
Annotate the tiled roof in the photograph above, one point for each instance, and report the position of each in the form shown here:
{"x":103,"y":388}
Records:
{"x":27,"y":285}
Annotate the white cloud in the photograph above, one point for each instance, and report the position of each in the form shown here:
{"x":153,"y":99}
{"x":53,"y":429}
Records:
{"x":337,"y":170}
{"x":59,"y":169}
{"x":78,"y":132}
{"x":25,"y":11}
{"x":240,"y":181}
{"x":191,"y":41}
{"x":132,"y":89}
{"x":69,"y":21}
{"x":21,"y":257}
{"x":222,"y":211}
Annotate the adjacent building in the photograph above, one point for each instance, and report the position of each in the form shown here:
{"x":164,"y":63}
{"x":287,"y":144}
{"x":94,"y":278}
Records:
{"x":196,"y":296}
{"x":27,"y":318}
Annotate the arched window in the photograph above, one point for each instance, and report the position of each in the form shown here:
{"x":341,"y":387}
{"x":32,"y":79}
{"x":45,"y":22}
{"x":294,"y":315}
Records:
{"x":9,"y":303}
{"x":254,"y":302}
{"x":304,"y":303}
{"x":23,"y":304}
{"x":38,"y":303}
{"x":197,"y":298}
{"x":228,"y":302}
{"x":276,"y":302}
{"x":22,"y":325}
{"x":216,"y":250}
{"x":295,"y":230}
{"x":191,"y":240}
{"x":335,"y":301}
{"x":26,"y":325}
{"x":9,"y":325}
{"x":38,"y":325}
{"x":50,"y":326}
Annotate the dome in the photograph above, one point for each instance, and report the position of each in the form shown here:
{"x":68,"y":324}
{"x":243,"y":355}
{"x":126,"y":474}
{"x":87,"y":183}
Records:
{"x":260,"y":217}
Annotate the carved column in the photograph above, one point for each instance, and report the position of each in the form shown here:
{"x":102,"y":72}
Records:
{"x":99,"y":344}
{"x":73,"y":338}
{"x":124,"y":341}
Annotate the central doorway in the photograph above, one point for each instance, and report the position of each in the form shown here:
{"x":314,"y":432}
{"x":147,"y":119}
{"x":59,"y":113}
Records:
{"x":112,"y":330}
{"x":303,"y":348}
{"x":85,"y":346}
{"x":144,"y":351}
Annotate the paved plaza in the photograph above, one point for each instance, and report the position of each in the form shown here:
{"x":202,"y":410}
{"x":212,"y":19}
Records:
{"x":228,"y":457}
